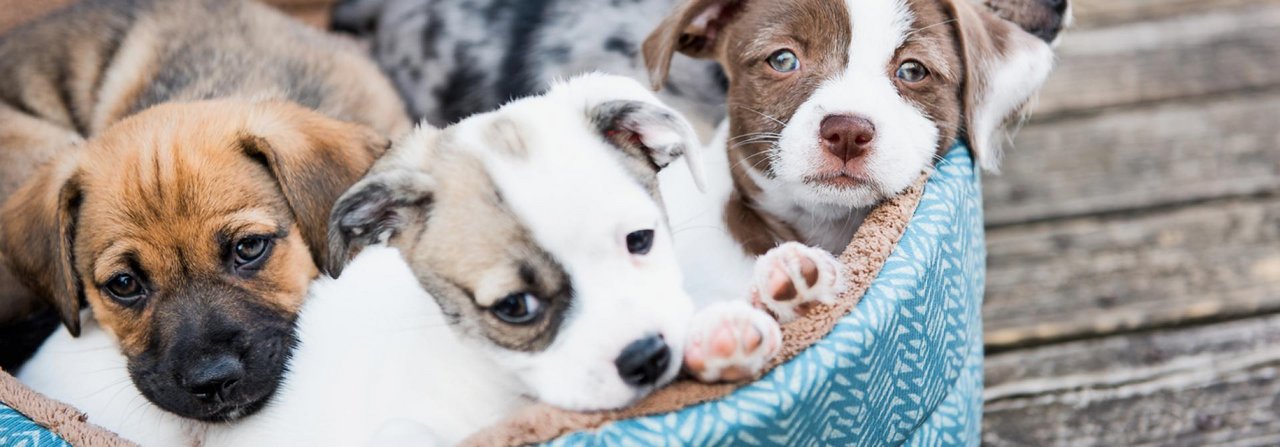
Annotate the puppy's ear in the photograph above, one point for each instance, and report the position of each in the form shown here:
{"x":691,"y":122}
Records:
{"x":37,"y":237}
{"x":1004,"y":68}
{"x":691,"y":29}
{"x":651,"y":132}
{"x":1042,"y":18}
{"x":314,"y":159}
{"x":374,"y":210}
{"x":393,"y":194}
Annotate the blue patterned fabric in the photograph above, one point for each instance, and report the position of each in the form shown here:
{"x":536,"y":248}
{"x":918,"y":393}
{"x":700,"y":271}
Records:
{"x":18,"y":431}
{"x":905,"y":367}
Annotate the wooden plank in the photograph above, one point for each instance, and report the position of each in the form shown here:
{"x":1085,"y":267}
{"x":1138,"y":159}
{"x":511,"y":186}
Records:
{"x":1216,"y":384}
{"x":1140,"y":158}
{"x":1098,"y":275}
{"x":1216,"y":51}
{"x":1096,"y":13}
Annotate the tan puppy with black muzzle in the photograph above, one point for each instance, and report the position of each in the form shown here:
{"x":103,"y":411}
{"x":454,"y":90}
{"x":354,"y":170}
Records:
{"x":190,"y":227}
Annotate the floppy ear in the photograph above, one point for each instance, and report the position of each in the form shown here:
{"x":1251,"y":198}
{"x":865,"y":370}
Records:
{"x":1042,"y":18}
{"x":393,"y":194}
{"x":1004,"y":67}
{"x":691,"y":29}
{"x":37,"y":237}
{"x":649,"y":131}
{"x":314,"y":159}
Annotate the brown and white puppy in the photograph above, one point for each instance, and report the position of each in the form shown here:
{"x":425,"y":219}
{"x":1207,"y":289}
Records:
{"x":835,"y":105}
{"x":191,"y":230}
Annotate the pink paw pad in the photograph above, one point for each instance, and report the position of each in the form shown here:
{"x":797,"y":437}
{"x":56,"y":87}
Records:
{"x":792,"y":279}
{"x":729,"y":342}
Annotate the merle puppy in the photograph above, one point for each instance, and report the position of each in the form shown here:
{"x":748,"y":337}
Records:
{"x":450,"y":59}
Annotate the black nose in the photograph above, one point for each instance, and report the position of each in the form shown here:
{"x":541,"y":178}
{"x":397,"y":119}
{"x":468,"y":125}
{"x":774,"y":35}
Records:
{"x":213,"y":377}
{"x":847,"y":136}
{"x":643,"y":361}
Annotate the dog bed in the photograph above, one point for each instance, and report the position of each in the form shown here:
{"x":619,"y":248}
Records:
{"x":898,"y":360}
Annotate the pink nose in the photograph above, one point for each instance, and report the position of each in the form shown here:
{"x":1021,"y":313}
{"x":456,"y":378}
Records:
{"x":847,"y":136}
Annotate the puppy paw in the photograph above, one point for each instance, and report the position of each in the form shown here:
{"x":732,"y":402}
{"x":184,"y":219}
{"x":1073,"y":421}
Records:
{"x":729,"y":342}
{"x":792,"y":278}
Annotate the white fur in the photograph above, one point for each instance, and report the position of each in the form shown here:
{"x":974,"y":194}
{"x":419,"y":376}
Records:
{"x":378,"y":363}
{"x":579,"y":204}
{"x":905,"y":138}
{"x":89,"y":373}
{"x":1011,"y":82}
{"x":715,"y":266}
{"x":375,"y":349}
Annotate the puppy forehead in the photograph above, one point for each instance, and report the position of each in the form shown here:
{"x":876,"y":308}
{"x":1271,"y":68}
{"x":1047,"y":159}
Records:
{"x":878,"y":27}
{"x":565,"y":178}
{"x":173,"y":189}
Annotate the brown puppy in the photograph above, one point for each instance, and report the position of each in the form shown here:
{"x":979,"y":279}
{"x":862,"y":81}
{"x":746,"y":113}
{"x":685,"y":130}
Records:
{"x":193,"y":229}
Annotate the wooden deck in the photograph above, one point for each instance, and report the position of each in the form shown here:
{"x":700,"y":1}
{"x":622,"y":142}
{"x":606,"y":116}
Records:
{"x":1133,"y":295}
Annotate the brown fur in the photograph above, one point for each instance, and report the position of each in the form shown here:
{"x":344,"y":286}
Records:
{"x":165,"y":196}
{"x":952,"y":38}
{"x":71,"y":75}
{"x":168,"y":189}
{"x":473,"y":251}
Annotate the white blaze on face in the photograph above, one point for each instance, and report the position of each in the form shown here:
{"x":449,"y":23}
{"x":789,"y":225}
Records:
{"x":905,"y":138}
{"x":570,"y":190}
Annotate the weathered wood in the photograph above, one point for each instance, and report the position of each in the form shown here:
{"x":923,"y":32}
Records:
{"x":1095,"y":13}
{"x":1140,"y":158}
{"x":1197,"y":386}
{"x":1094,"y":276}
{"x":1215,"y":51}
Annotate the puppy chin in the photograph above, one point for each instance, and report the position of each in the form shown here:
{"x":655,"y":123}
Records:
{"x":598,"y":389}
{"x":802,"y":175}
{"x":559,"y":378}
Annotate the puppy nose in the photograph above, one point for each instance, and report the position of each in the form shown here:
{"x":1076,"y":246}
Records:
{"x":847,"y":136}
{"x":213,"y":378}
{"x":643,"y":361}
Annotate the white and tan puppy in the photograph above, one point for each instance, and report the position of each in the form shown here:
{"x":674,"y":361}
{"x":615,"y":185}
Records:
{"x":539,"y":234}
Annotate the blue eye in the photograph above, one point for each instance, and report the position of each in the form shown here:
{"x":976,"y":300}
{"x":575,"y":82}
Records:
{"x":912,"y":71}
{"x":784,"y":61}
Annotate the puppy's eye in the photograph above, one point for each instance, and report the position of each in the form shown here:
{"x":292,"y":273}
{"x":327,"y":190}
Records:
{"x":517,"y":308}
{"x":639,"y":242}
{"x":912,"y":71}
{"x":125,"y":289}
{"x":251,"y":249}
{"x":784,"y":61}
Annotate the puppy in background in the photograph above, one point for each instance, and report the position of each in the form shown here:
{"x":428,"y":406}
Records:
{"x":453,"y":59}
{"x":190,"y":228}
